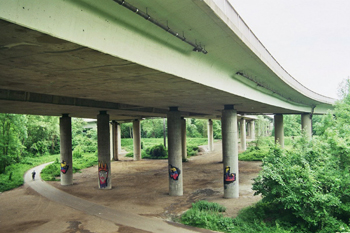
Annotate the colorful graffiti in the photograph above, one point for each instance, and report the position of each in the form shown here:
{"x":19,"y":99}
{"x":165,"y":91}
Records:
{"x":64,"y":167}
{"x":174,"y":172}
{"x":103,"y":175}
{"x":229,"y":177}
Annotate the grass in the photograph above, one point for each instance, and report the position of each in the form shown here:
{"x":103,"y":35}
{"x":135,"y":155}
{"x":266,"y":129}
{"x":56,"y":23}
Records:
{"x":13,"y":175}
{"x":209,"y":215}
{"x":50,"y":172}
{"x":258,"y":149}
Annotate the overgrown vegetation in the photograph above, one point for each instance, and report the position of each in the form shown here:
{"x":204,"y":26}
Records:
{"x":208,"y":215}
{"x":304,"y":188}
{"x":13,"y":175}
{"x":152,"y":148}
{"x":50,"y":172}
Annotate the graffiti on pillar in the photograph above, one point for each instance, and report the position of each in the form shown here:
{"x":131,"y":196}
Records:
{"x":174,"y":172}
{"x":64,"y":167}
{"x":103,"y":174}
{"x":229,"y":177}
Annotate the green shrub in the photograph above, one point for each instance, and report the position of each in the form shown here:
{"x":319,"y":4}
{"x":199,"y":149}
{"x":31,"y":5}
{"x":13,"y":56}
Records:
{"x":158,"y":152}
{"x":253,"y":154}
{"x":78,"y":152}
{"x":192,"y":150}
{"x":18,"y":169}
{"x":208,"y":206}
{"x":207,"y":215}
{"x":144,"y":155}
{"x":130,"y":154}
{"x":50,"y":172}
{"x":308,"y":184}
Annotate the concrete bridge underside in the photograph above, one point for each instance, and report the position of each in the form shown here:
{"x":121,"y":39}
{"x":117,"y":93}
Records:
{"x":78,"y":61}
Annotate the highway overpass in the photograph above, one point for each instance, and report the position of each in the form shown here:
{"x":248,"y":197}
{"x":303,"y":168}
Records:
{"x":127,"y":60}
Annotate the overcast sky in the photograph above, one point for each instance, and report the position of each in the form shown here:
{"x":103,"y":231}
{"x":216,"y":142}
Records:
{"x":309,"y":38}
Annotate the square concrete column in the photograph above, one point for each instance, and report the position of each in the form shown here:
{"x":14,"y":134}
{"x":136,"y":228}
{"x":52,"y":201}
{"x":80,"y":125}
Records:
{"x":136,"y":127}
{"x":114,"y":141}
{"x":103,"y":144}
{"x":210,"y":135}
{"x":66,"y":150}
{"x":175,"y":152}
{"x":243,"y":135}
{"x":306,"y":124}
{"x":279,"y":130}
{"x":230,"y":152}
{"x":183,"y":138}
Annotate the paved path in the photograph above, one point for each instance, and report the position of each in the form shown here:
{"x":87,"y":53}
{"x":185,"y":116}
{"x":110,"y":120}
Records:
{"x":119,"y":217}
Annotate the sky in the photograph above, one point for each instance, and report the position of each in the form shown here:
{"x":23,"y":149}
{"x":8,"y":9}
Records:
{"x":309,"y":38}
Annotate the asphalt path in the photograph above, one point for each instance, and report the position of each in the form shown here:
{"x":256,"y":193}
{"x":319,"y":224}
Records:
{"x":119,"y":217}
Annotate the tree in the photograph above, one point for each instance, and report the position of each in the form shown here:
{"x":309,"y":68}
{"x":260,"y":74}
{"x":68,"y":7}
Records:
{"x":43,"y":135}
{"x":292,"y":125}
{"x":152,"y":128}
{"x":308,"y":186}
{"x":12,"y":134}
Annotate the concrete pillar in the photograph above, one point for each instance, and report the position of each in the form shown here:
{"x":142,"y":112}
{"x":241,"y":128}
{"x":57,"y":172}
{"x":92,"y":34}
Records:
{"x":119,"y":138}
{"x":279,"y":130}
{"x":175,"y":152}
{"x":210,"y":135}
{"x":66,"y":150}
{"x":111,"y":140}
{"x":243,"y":135}
{"x":252,"y":130}
{"x":103,"y":141}
{"x":183,"y":138}
{"x":114,"y":141}
{"x":136,"y":127}
{"x":230,"y":152}
{"x":248,"y":129}
{"x":306,"y":124}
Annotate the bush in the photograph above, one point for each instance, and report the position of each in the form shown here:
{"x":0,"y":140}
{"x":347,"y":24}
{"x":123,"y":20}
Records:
{"x":192,"y":150}
{"x":158,"y":152}
{"x":50,"y":172}
{"x":207,"y":215}
{"x":208,"y":206}
{"x":253,"y":154}
{"x":78,"y":152}
{"x":308,"y":184}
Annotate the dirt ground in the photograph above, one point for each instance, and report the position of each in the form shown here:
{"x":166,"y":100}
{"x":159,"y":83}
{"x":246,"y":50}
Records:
{"x":139,"y":187}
